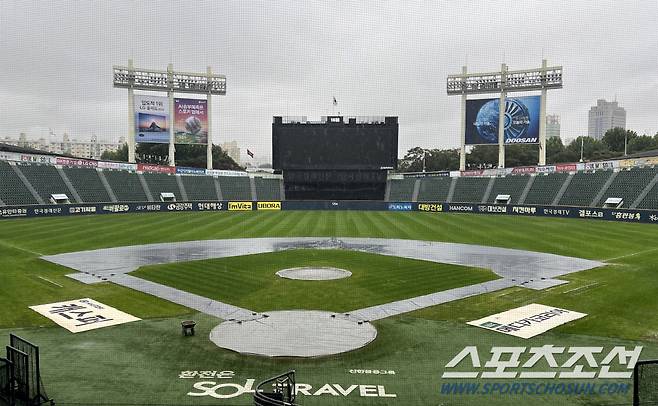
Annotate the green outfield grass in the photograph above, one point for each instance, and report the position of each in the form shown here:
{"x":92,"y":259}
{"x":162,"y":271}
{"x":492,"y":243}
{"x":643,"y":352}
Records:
{"x":140,"y":362}
{"x":250,"y":281}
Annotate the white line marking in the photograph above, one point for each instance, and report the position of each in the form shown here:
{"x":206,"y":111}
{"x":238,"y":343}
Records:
{"x":630,"y":255}
{"x":48,"y":280}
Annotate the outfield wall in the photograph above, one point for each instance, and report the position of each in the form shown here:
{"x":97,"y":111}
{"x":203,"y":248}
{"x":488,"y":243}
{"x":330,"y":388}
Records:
{"x":625,"y":215}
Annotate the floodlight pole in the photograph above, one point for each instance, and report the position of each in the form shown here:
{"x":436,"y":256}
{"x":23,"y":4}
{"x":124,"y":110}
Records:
{"x":131,"y":118}
{"x":209,"y":116}
{"x":170,"y":95}
{"x":462,"y":151}
{"x":542,"y":116}
{"x":501,"y":118}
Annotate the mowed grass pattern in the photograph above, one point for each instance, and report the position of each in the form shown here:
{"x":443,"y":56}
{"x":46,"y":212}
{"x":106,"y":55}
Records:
{"x":251,"y":281}
{"x":619,"y":298}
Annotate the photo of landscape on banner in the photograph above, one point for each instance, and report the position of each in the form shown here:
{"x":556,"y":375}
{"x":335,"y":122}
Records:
{"x":521,"y":120}
{"x":151,"y":119}
{"x":527,"y":321}
{"x":190,"y":121}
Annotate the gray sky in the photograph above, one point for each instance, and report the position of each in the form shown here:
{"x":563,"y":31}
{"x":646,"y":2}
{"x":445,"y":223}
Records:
{"x":292,"y":57}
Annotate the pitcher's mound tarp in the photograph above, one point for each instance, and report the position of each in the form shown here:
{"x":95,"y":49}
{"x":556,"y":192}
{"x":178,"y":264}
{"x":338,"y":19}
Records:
{"x":316,"y":273}
{"x":288,"y":334}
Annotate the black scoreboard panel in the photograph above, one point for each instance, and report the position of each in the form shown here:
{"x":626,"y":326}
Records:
{"x":335,"y":145}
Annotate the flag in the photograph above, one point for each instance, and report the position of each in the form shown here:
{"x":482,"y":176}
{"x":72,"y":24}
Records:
{"x":251,"y":154}
{"x":335,"y":102}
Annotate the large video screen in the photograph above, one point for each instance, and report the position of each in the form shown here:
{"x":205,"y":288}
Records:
{"x":521,"y":120}
{"x":334,"y":146}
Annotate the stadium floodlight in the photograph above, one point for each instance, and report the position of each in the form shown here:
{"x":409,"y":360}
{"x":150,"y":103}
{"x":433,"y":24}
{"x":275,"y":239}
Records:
{"x":170,"y":81}
{"x":502,"y":82}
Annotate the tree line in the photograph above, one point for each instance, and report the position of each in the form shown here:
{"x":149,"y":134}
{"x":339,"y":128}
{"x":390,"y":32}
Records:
{"x":614,"y":143}
{"x":189,"y":155}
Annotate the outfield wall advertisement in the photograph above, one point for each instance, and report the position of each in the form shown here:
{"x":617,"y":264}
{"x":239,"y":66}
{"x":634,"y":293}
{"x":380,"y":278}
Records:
{"x":190,"y":121}
{"x":521,"y":120}
{"x":152,"y":119}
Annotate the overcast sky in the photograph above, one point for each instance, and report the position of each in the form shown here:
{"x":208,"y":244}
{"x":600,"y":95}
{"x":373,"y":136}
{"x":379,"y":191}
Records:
{"x":293,"y":57}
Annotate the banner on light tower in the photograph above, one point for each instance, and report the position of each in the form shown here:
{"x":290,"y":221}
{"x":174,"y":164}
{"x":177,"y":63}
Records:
{"x":521,"y":120}
{"x":152,"y":119}
{"x":190,"y":121}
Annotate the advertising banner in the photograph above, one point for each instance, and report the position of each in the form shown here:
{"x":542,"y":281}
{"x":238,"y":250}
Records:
{"x":524,"y":169}
{"x":592,"y":166}
{"x":76,"y":162}
{"x":521,"y":120}
{"x":268,"y":206}
{"x":156,"y":168}
{"x":240,"y":206}
{"x":224,"y":172}
{"x":151,"y":119}
{"x":190,"y":121}
{"x":566,"y":167}
{"x":190,"y":171}
{"x":83,"y":314}
{"x":117,"y":166}
{"x":527,"y":321}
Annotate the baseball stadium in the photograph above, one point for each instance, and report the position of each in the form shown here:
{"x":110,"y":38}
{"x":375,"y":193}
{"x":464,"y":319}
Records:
{"x":338,"y":276}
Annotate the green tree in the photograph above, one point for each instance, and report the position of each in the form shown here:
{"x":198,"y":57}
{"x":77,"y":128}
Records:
{"x":119,"y":155}
{"x":186,"y":155}
{"x":615,"y":138}
{"x":642,"y":143}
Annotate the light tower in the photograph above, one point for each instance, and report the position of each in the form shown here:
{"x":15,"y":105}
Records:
{"x":503,"y":82}
{"x":169,"y":81}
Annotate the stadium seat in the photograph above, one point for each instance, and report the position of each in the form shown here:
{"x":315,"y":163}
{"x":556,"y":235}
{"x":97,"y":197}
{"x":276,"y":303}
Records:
{"x":45,"y":179}
{"x":199,"y":187}
{"x":235,"y":187}
{"x":126,"y":186}
{"x":512,"y":185}
{"x":88,"y":185}
{"x":584,"y":187}
{"x":545,"y":188}
{"x":470,"y":189}
{"x":12,"y":189}
{"x":162,"y":183}
{"x":268,"y":188}
{"x":628,"y":185}
{"x":434,"y":189}
{"x":402,"y":189}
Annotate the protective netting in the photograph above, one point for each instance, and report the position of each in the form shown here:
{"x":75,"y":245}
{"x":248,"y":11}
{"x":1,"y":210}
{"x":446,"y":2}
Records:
{"x":21,"y":382}
{"x":6,"y":374}
{"x":646,"y":384}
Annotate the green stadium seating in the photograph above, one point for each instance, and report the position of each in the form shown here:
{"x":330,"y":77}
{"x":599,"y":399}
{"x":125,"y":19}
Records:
{"x":126,"y":186}
{"x":434,"y":189}
{"x":88,"y":185}
{"x":584,"y":187}
{"x":650,"y":201}
{"x":512,"y":185}
{"x":470,"y":189}
{"x":199,"y":187}
{"x":235,"y":187}
{"x":162,"y":183}
{"x":12,"y":189}
{"x":268,"y":188}
{"x":402,"y":189}
{"x":46,"y":180}
{"x":544,"y":188}
{"x":628,"y":185}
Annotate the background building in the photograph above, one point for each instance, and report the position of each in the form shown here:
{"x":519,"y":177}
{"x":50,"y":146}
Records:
{"x":92,"y":149}
{"x":232,"y":149}
{"x":552,"y":126}
{"x":604,"y":116}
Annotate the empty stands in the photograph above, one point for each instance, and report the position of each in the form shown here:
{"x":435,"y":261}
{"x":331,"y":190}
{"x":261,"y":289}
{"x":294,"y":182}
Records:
{"x":402,"y":189}
{"x":88,"y":184}
{"x":470,"y":190}
{"x":545,"y":188}
{"x":512,"y":185}
{"x":46,"y":180}
{"x":650,"y":201}
{"x":162,"y":183}
{"x":235,"y":187}
{"x":199,"y":187}
{"x":268,"y":188}
{"x":434,"y":189}
{"x":628,"y":185}
{"x":126,"y":186}
{"x":12,"y":189}
{"x":584,"y":187}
